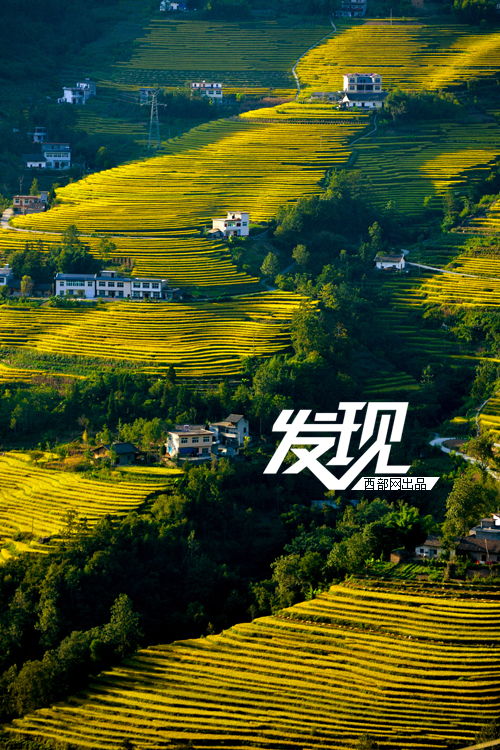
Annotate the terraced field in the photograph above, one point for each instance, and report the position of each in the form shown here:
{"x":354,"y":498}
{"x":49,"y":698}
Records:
{"x":490,"y":223}
{"x":410,"y":56}
{"x":222,"y":165}
{"x":186,"y":261}
{"x":200,"y":340}
{"x":409,"y":165}
{"x":255,"y":56}
{"x":489,"y":418}
{"x":34,"y":500}
{"x":318,"y":676}
{"x":387,"y":383}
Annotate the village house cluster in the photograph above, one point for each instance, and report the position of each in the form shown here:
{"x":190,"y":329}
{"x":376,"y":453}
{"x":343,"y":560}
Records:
{"x":482,"y":545}
{"x":79,"y":94}
{"x":196,"y":443}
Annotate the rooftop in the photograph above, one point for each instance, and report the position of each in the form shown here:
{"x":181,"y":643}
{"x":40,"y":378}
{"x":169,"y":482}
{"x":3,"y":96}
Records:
{"x":31,"y":157}
{"x":119,"y":447}
{"x":389,"y":258}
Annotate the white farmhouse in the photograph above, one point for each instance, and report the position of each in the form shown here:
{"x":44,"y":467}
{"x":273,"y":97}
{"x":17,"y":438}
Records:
{"x":110,"y":285}
{"x":78,"y":94}
{"x":395,"y":262}
{"x":363,"y":90}
{"x":57,"y":155}
{"x":235,"y":224}
{"x":231,"y":433}
{"x":212,"y":90}
{"x":191,"y":443}
{"x":40,"y":135}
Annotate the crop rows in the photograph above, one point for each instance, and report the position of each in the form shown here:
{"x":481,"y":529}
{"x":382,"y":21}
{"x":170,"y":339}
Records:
{"x":489,"y":418}
{"x":410,"y":56}
{"x":428,"y":162}
{"x":185,"y":260}
{"x":254,"y":55}
{"x":36,"y":500}
{"x":198,"y":339}
{"x":388,"y":383}
{"x":298,"y":110}
{"x":216,"y":167}
{"x":490,"y":223}
{"x":318,"y":676}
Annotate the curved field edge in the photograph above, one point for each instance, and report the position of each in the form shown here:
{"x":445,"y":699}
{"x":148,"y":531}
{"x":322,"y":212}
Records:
{"x":318,"y":674}
{"x":199,"y":339}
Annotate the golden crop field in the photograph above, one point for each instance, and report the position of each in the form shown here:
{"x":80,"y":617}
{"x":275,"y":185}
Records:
{"x":254,"y":56}
{"x":318,"y":675}
{"x":216,"y":167}
{"x":185,"y":261}
{"x":490,"y":223}
{"x":413,"y":55}
{"x":200,"y":339}
{"x":35,"y":500}
{"x":412,"y":164}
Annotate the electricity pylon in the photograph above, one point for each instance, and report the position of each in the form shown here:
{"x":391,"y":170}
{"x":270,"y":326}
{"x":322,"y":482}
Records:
{"x":154,"y":123}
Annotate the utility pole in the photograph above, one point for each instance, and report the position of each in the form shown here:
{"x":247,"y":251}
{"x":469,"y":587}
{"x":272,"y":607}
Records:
{"x":154,"y":123}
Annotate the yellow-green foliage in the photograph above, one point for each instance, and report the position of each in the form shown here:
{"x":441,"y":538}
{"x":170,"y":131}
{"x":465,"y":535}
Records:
{"x":412,"y":670}
{"x":215,"y":167}
{"x":198,"y":339}
{"x":256,"y":55}
{"x":300,"y":111}
{"x":409,"y":56}
{"x":490,"y":223}
{"x":36,"y":500}
{"x":412,"y":163}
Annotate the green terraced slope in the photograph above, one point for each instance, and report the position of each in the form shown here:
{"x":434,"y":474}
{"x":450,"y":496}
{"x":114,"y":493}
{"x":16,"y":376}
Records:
{"x":417,"y":670}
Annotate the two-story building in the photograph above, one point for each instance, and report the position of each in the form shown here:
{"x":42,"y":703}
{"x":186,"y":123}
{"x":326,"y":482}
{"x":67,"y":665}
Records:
{"x":213,"y":90}
{"x":110,"y":285}
{"x":191,"y":443}
{"x":363,"y":90}
{"x":40,"y":135}
{"x":231,"y":433}
{"x":235,"y":224}
{"x":30,"y":204}
{"x":78,"y":94}
{"x":57,"y":155}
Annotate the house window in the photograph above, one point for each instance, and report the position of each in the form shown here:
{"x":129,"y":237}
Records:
{"x":145,"y":284}
{"x":16,"y":200}
{"x":196,"y":440}
{"x":244,"y":429}
{"x":244,"y":224}
{"x":75,"y":283}
{"x":156,"y":295}
{"x":119,"y":284}
{"x":90,"y":283}
{"x":204,"y":451}
{"x":483,"y":558}
{"x":61,"y":283}
{"x":351,"y":88}
{"x":155,"y":286}
{"x":120,"y":294}
{"x":111,"y":283}
{"x":102,"y":283}
{"x":206,"y":439}
{"x":184,"y":440}
{"x":136,"y":285}
{"x":2,"y":280}
{"x":102,"y":293}
{"x":136,"y":294}
{"x":422,"y":551}
{"x":377,"y":88}
{"x":352,"y":80}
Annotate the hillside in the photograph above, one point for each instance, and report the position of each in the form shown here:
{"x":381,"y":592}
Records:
{"x":354,"y":660}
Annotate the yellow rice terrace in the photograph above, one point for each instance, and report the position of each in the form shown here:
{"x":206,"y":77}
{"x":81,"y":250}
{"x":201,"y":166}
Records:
{"x":199,"y":339}
{"x":318,"y":675}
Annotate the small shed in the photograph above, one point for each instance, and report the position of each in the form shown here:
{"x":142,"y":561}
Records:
{"x":126,"y":453}
{"x":394,"y":262}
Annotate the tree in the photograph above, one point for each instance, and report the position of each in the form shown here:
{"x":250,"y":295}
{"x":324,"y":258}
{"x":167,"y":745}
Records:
{"x":124,"y":625}
{"x":27,"y":285}
{"x":481,"y":448}
{"x":301,"y":255}
{"x":270,"y":266}
{"x":34,"y":189}
{"x":106,"y":249}
{"x":308,"y":334}
{"x":466,"y":504}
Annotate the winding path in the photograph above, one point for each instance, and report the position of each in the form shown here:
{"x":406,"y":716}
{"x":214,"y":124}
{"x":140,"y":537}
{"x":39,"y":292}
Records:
{"x":305,"y":53}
